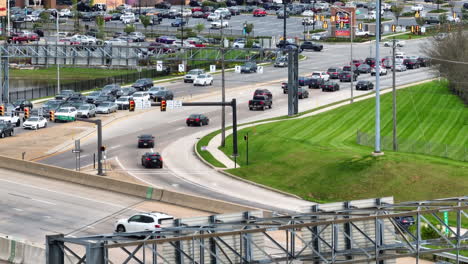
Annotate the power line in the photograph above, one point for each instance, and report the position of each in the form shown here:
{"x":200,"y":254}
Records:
{"x":451,"y":61}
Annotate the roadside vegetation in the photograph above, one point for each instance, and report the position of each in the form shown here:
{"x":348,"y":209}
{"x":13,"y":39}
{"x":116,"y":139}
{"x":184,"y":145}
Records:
{"x":318,"y":159}
{"x":50,"y":73}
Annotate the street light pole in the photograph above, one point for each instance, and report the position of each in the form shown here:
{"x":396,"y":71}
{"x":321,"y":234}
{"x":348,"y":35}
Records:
{"x":352,"y":70}
{"x":377,"y":149}
{"x":58,"y":58}
{"x":395,"y":144}
{"x":284,"y":23}
{"x":223,"y":91}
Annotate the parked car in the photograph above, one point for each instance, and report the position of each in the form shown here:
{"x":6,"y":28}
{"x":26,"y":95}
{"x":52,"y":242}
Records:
{"x":35,"y":122}
{"x":259,"y":12}
{"x":91,"y":98}
{"x":106,"y":108}
{"x":104,"y":98}
{"x":110,"y":89}
{"x":333,"y":72}
{"x":249,"y":67}
{"x":86,"y":110}
{"x":141,"y":222}
{"x":302,"y":93}
{"x":143,"y":84}
{"x":364,"y":85}
{"x":417,"y":7}
{"x":405,"y":221}
{"x":219,"y":24}
{"x":163,"y":95}
{"x":6,"y":129}
{"x":347,"y":76}
{"x":357,"y":62}
{"x":66,"y":113}
{"x":197,"y":120}
{"x":308,"y":45}
{"x":351,"y":68}
{"x":260,"y":102}
{"x":146,"y":141}
{"x":330,"y":86}
{"x":424,"y":62}
{"x":370,"y":61}
{"x":163,"y":5}
{"x":141,"y":96}
{"x":411,"y":63}
{"x":398,"y":43}
{"x":192,"y":74}
{"x":203,"y":79}
{"x":316,"y":83}
{"x":399,"y":67}
{"x":321,"y":75}
{"x":178,"y":22}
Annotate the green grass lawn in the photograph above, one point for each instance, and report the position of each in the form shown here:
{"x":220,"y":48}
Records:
{"x":317,"y":157}
{"x":67,"y":73}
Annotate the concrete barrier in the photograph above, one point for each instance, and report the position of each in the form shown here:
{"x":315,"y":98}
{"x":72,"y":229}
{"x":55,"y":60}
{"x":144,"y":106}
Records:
{"x":4,"y":248}
{"x":134,"y":189}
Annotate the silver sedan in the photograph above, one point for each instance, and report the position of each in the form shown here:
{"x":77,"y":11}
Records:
{"x":106,"y":108}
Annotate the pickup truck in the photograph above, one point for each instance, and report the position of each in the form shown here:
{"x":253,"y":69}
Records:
{"x":11,"y":118}
{"x":260,"y":102}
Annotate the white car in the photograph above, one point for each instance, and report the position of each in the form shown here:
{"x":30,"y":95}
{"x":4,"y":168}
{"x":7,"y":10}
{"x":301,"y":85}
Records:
{"x":219,"y":24}
{"x":30,"y":18}
{"x":185,"y":12}
{"x":213,"y":17}
{"x":192,"y":74}
{"x":398,"y":43}
{"x":362,"y":33}
{"x":417,"y":7}
{"x":143,"y":96}
{"x":320,"y":75}
{"x":35,"y":122}
{"x":452,"y":19}
{"x":142,"y":222}
{"x":66,"y":114}
{"x":178,"y":43}
{"x":11,"y":118}
{"x":203,"y":79}
{"x":386,"y":7}
{"x":308,"y":13}
{"x":123,"y":102}
{"x":128,"y":18}
{"x":65,"y":13}
{"x":239,"y":44}
{"x":383,"y":70}
{"x":399,"y":67}
{"x":116,"y":42}
{"x":86,"y":40}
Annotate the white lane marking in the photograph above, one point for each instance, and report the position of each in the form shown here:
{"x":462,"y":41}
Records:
{"x":123,"y":168}
{"x":47,"y":216}
{"x":175,"y":121}
{"x":175,"y":185}
{"x":90,"y":227}
{"x":82,"y":156}
{"x":114,"y":147}
{"x":67,"y":194}
{"x":152,"y":150}
{"x":42,"y":201}
{"x":19,"y":210}
{"x":179,"y":128}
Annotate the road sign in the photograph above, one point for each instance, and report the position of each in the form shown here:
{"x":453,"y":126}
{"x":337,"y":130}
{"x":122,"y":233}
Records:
{"x":159,"y":66}
{"x":212,"y":68}
{"x":260,"y":69}
{"x":386,"y":28}
{"x":237,"y":69}
{"x":423,"y":29}
{"x":446,"y":222}
{"x":170,"y":104}
{"x":181,"y":68}
{"x":177,"y":104}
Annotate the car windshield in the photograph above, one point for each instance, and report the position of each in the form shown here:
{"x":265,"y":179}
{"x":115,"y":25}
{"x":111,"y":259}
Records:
{"x":193,"y":72}
{"x":122,"y":99}
{"x":194,"y":116}
{"x":140,"y":81}
{"x":105,"y":105}
{"x":3,"y":125}
{"x":18,"y":102}
{"x":259,"y":98}
{"x":109,"y":87}
{"x":161,"y":93}
{"x":202,"y":76}
{"x":84,"y":107}
{"x":137,"y":95}
{"x":146,"y":137}
{"x":316,"y":74}
{"x":62,"y":110}
{"x":332,"y":70}
{"x":95,"y":94}
{"x":33,"y":119}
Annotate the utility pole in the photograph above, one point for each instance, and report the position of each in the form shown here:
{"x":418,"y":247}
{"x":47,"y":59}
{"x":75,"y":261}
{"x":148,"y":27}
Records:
{"x":284,"y":23}
{"x":377,"y":149}
{"x":58,"y":58}
{"x":395,"y":144}
{"x":223,"y":91}
{"x":293,"y":108}
{"x":352,"y":64}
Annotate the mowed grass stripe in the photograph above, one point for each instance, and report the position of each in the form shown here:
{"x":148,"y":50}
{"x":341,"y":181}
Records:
{"x":318,"y":159}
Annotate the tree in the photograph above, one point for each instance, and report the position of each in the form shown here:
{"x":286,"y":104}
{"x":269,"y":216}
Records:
{"x":420,"y":21}
{"x":100,"y":22}
{"x":249,"y":28}
{"x":76,"y":16}
{"x":129,"y":29}
{"x":443,"y":19}
{"x":199,"y":27}
{"x":397,"y":10}
{"x":449,"y":58}
{"x":145,"y":20}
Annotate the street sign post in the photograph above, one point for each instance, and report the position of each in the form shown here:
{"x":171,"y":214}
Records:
{"x":181,"y":67}
{"x":260,"y":69}
{"x":212,"y":68}
{"x":237,"y":69}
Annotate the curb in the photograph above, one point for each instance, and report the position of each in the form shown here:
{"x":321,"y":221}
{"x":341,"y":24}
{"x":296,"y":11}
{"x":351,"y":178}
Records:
{"x":195,"y":150}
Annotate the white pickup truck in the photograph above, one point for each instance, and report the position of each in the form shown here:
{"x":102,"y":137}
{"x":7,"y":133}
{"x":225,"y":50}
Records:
{"x":218,"y":24}
{"x":11,"y":118}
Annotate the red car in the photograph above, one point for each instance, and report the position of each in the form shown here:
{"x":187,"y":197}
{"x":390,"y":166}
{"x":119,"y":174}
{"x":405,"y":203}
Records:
{"x":107,"y":18}
{"x":195,"y":9}
{"x":259,"y":12}
{"x":198,"y":45}
{"x":17,"y":38}
{"x":357,"y":62}
{"x":206,"y":14}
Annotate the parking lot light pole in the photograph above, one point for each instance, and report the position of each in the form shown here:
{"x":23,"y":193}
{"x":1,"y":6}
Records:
{"x":58,"y":59}
{"x":377,"y":148}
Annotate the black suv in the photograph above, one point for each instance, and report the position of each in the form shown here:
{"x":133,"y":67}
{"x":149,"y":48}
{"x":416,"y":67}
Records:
{"x":316,"y":82}
{"x":424,"y":62}
{"x":6,"y":129}
{"x":163,"y":5}
{"x":143,"y":84}
{"x":249,"y":67}
{"x":345,"y":76}
{"x":263,"y":92}
{"x":163,"y":95}
{"x":308,"y":45}
{"x":411,"y":63}
{"x":146,"y":141}
{"x":152,"y":160}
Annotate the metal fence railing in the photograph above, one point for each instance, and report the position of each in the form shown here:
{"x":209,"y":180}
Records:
{"x":415,"y":146}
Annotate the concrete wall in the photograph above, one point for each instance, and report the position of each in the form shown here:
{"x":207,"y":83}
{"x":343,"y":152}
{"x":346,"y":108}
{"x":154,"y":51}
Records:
{"x":139,"y":190}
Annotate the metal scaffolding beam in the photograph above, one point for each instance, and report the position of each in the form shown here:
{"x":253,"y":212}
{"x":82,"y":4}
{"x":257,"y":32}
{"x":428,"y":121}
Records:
{"x":343,"y":233}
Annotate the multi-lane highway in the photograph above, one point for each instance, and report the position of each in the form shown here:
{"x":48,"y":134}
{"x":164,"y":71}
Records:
{"x":170,"y":130}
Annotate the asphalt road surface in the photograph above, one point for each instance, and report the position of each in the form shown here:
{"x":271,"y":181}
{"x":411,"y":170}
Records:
{"x":168,"y":127}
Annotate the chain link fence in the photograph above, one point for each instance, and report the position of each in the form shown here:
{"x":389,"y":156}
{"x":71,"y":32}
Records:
{"x":414,"y":146}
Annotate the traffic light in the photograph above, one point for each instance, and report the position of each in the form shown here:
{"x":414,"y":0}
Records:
{"x":52,"y":115}
{"x":412,"y":29}
{"x":418,"y":29}
{"x":417,"y":15}
{"x":325,"y":24}
{"x":322,"y":18}
{"x":393,"y":28}
{"x":131,"y":105}
{"x":103,"y":148}
{"x":2,"y":110}
{"x":341,"y":24}
{"x":26,"y":113}
{"x":360,"y":26}
{"x":332,"y":19}
{"x":163,"y":105}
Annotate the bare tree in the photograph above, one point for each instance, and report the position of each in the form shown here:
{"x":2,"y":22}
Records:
{"x":449,"y":55}
{"x":397,"y":10}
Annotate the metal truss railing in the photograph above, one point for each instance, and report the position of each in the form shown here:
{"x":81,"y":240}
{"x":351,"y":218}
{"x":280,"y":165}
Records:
{"x":348,"y":235}
{"x":53,"y":51}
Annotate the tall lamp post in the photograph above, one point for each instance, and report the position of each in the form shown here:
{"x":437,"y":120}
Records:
{"x":58,"y":59}
{"x":377,"y":148}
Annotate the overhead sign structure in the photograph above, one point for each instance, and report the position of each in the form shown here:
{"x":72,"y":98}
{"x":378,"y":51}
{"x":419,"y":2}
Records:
{"x":212,"y":68}
{"x":142,"y":104}
{"x":177,"y":104}
{"x":170,"y":104}
{"x":237,"y":69}
{"x":181,"y":67}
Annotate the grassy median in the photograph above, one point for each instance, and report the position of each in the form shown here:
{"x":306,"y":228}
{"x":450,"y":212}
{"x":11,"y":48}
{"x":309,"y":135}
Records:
{"x":318,"y":159}
{"x":67,"y":73}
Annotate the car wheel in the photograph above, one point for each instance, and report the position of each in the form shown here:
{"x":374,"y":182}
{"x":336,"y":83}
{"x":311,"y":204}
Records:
{"x":120,"y":229}
{"x":263,"y":108}
{"x":211,"y":83}
{"x":18,"y":123}
{"x":250,"y":108}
